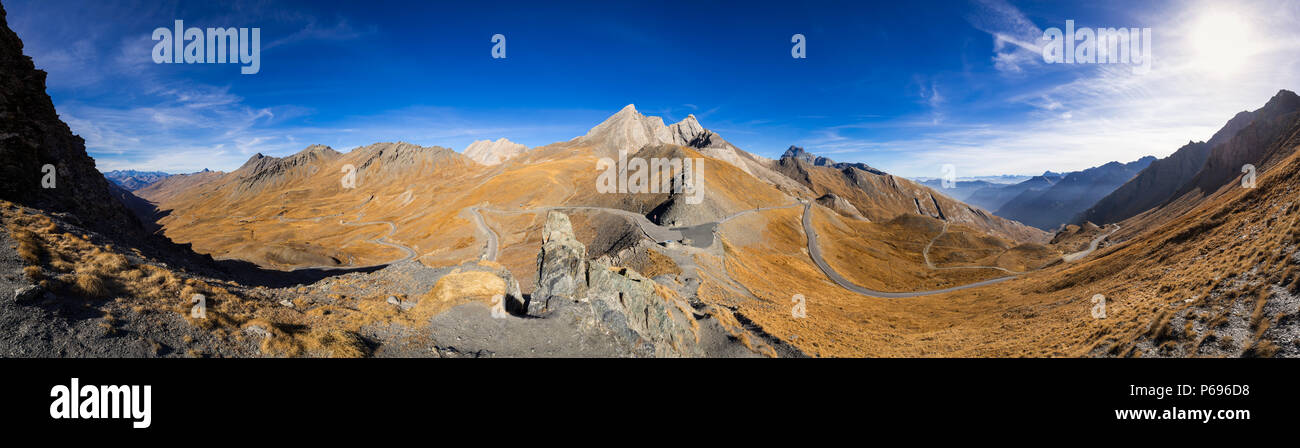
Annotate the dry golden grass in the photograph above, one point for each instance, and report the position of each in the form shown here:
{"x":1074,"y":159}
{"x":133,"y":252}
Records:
{"x":99,"y":272}
{"x":33,"y":273}
{"x":29,"y":248}
{"x":428,"y":211}
{"x":657,"y":264}
{"x":456,"y":288}
{"x":728,"y":322}
{"x":91,"y":284}
{"x":1224,"y":251}
{"x":296,"y":341}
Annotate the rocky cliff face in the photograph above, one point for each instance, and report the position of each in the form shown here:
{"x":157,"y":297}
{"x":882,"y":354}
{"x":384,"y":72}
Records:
{"x":1273,"y":133}
{"x":387,"y":161}
{"x":1159,"y":182}
{"x":32,"y":137}
{"x":841,"y":206}
{"x":630,"y":131}
{"x":261,"y":173}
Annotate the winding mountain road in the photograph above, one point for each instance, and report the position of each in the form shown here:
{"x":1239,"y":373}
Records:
{"x":381,"y":240}
{"x":660,"y":233}
{"x":1091,"y":246}
{"x":814,"y":251}
{"x":655,"y":232}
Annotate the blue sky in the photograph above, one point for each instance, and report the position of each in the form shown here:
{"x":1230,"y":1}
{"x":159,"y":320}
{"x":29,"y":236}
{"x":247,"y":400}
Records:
{"x":903,"y":86}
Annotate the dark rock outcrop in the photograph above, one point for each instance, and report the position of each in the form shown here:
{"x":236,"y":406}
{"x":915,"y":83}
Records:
{"x":32,"y":136}
{"x":1272,"y":134}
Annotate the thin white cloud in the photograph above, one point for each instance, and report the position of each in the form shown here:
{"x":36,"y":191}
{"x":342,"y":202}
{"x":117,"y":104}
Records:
{"x":341,"y":30}
{"x":1016,"y":39}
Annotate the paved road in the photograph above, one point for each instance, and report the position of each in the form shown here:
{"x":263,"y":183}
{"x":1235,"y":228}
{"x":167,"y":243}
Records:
{"x":1091,"y":247}
{"x":491,"y":251}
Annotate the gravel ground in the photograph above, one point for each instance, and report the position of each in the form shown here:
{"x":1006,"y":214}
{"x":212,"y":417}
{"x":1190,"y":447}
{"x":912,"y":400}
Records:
{"x":50,"y":326}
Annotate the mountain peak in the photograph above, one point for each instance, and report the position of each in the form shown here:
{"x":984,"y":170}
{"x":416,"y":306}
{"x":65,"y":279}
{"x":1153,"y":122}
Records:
{"x":628,"y":130}
{"x":251,"y":160}
{"x":1283,"y":101}
{"x":797,"y":152}
{"x":629,"y":109}
{"x":490,"y":152}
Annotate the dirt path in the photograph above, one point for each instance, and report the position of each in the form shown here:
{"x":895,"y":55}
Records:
{"x":815,"y":252}
{"x":926,"y":254}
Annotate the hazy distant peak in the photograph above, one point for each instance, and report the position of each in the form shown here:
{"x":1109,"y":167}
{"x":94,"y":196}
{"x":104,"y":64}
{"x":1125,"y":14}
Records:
{"x":490,"y":152}
{"x":132,"y":180}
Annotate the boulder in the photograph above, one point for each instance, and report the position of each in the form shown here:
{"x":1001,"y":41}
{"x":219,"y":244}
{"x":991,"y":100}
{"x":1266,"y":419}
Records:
{"x":27,"y":293}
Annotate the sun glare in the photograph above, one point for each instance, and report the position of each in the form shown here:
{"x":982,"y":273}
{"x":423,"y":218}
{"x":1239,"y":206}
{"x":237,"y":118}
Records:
{"x":1221,"y":42}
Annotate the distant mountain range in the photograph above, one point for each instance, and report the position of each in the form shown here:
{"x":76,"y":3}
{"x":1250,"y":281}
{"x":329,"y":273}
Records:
{"x":995,"y":196}
{"x":133,"y":180}
{"x":1048,"y":200}
{"x":1059,"y":203}
{"x":1045,"y":201}
{"x":997,"y":179}
{"x":991,"y":195}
